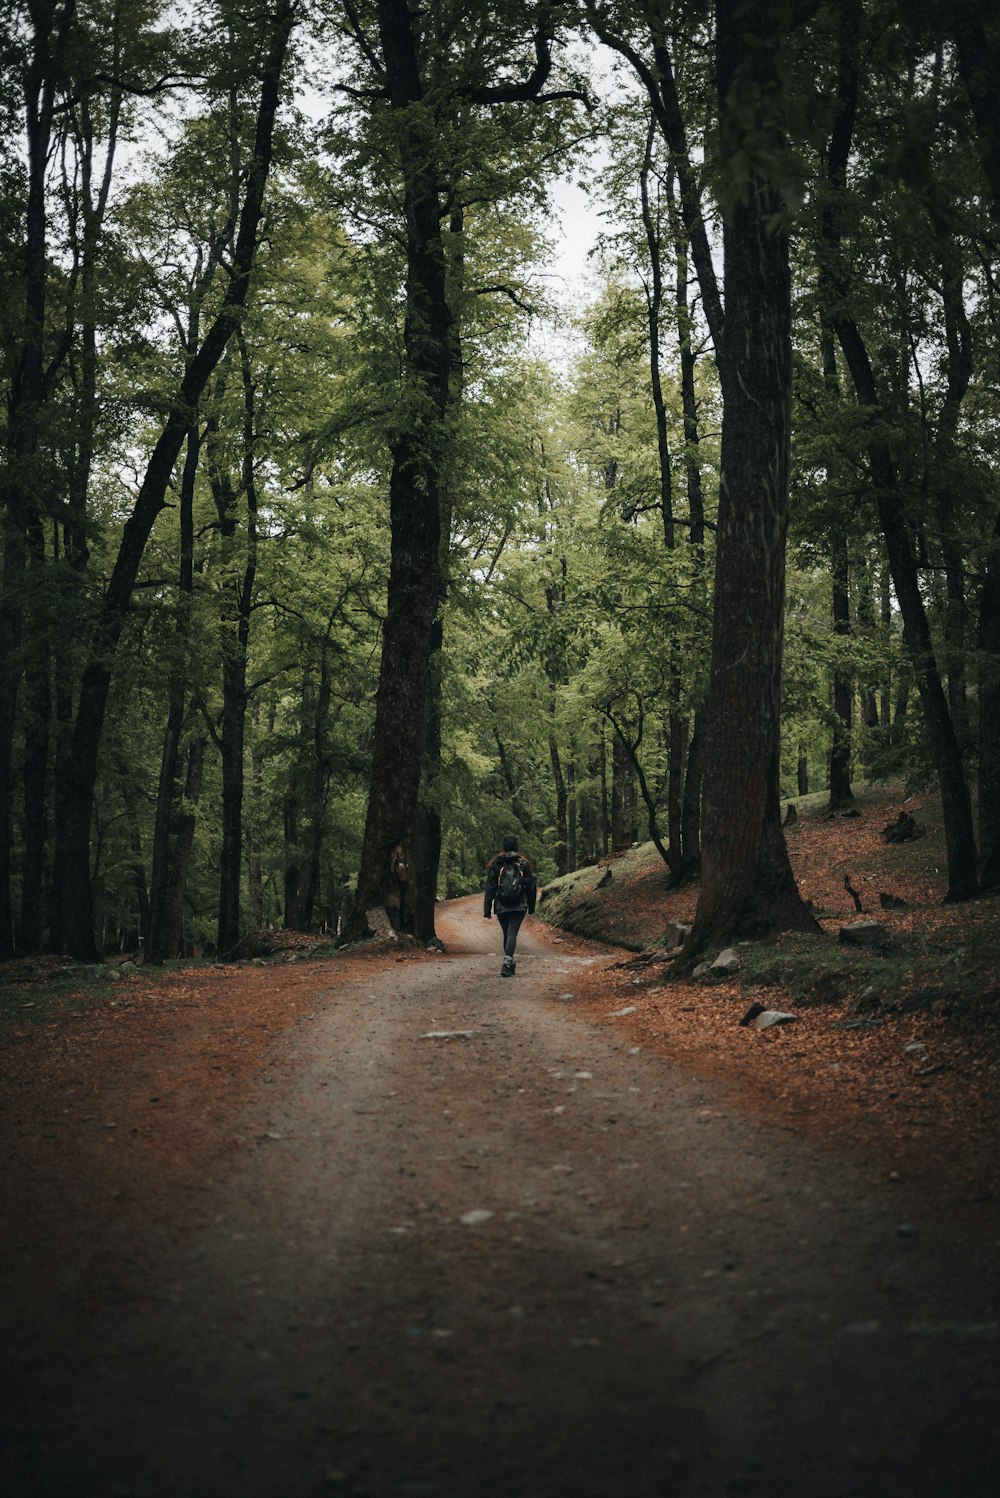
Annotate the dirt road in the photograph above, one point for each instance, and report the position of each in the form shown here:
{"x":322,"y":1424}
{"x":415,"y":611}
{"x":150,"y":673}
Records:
{"x":473,"y":1245}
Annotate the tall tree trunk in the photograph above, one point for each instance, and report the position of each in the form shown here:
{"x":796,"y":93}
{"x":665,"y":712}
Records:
{"x":978,"y":38}
{"x":607,"y":841}
{"x":164,"y":936}
{"x":691,"y":804}
{"x":237,"y":610}
{"x":989,"y":718}
{"x":690,"y":863}
{"x":184,"y":822}
{"x":622,"y":835}
{"x":841,"y":793}
{"x":74,"y":921}
{"x":747,"y":885}
{"x":45,"y":49}
{"x":417,"y":444}
{"x":572,"y":848}
{"x":561,"y":849}
{"x":37,"y":743}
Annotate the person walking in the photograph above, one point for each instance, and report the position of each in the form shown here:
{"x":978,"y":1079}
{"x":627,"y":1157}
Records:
{"x":511,"y":891}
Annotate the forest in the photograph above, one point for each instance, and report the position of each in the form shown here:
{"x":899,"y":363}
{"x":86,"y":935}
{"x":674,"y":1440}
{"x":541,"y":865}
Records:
{"x":330,"y":524}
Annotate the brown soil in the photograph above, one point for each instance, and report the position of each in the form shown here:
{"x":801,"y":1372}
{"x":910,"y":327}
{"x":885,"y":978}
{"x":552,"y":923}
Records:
{"x":238,"y":1256}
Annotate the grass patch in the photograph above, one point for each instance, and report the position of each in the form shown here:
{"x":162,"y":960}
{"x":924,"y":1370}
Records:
{"x":816,"y":969}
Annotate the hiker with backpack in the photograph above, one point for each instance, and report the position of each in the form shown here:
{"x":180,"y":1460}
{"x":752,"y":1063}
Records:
{"x":510,"y":891}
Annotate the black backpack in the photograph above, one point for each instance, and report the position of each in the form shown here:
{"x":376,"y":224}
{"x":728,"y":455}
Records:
{"x":511,"y":880}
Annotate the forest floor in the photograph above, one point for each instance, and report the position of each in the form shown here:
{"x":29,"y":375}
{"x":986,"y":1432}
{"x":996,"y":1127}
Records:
{"x":381,"y":1223}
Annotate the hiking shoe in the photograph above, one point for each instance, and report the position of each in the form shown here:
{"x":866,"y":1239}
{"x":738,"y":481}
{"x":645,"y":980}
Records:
{"x":507,"y":971}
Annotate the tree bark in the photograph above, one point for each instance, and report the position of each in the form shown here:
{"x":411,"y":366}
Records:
{"x":747,"y":885}
{"x":418,"y":447}
{"x":164,"y":936}
{"x":45,"y":50}
{"x":989,"y":718}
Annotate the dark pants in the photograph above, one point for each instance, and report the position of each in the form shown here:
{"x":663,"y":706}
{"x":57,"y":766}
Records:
{"x":510,"y":925}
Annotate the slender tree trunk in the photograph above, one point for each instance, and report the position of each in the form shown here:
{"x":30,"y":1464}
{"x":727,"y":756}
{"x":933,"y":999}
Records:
{"x":561,"y":849}
{"x":661,"y":88}
{"x":517,"y":805}
{"x":747,"y":885}
{"x":841,"y":793}
{"x":164,"y":935}
{"x":690,"y":865}
{"x":237,"y":610}
{"x":294,"y":880}
{"x":184,"y":822}
{"x":75,"y":918}
{"x":418,"y":445}
{"x":621,"y":776}
{"x":37,"y":743}
{"x":654,"y":302}
{"x":691,"y":805}
{"x":607,"y":841}
{"x":630,"y":748}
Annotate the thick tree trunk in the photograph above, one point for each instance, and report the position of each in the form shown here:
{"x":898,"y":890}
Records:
{"x":22,"y":502}
{"x":418,"y":445}
{"x":989,"y":719}
{"x":74,"y":921}
{"x":747,"y":885}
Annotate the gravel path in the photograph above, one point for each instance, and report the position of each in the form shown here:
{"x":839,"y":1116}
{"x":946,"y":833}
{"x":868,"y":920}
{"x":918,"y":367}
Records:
{"x":476,"y":1246}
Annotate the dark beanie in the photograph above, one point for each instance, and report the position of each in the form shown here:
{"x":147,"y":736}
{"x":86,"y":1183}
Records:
{"x":510,"y":845}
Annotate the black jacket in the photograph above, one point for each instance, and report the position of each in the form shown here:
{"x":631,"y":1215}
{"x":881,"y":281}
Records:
{"x":529,"y":889}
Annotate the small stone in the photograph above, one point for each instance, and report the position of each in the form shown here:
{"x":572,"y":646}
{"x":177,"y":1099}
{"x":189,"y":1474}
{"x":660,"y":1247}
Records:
{"x":768,"y":1018}
{"x":727,"y":962}
{"x":864,"y":934}
{"x":906,"y":1230}
{"x":476,"y":1216}
{"x":620,"y":1013}
{"x":701,"y":972}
